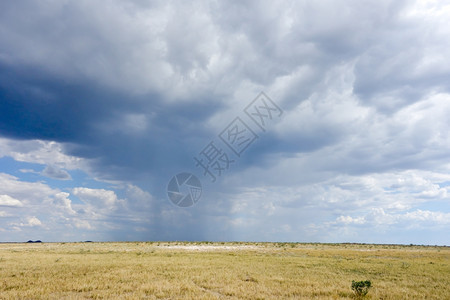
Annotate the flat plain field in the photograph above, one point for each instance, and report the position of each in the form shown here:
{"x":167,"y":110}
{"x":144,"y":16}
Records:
{"x":181,"y":270}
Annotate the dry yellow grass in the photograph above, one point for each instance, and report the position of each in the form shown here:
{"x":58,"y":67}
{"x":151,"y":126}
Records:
{"x":220,"y":270}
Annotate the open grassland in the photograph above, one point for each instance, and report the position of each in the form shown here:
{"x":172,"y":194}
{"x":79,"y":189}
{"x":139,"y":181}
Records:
{"x":221,"y":271}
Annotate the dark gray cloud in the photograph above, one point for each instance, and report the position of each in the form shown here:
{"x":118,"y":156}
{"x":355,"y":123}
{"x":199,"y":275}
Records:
{"x":56,"y":173}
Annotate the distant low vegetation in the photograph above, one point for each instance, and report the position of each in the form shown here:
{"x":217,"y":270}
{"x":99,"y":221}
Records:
{"x":361,"y":288}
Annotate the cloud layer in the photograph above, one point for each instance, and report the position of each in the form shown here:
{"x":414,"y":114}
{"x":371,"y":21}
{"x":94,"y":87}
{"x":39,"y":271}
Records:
{"x":102,"y":103}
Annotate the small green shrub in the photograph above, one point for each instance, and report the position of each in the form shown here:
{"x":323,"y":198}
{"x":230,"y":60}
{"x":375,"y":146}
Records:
{"x":361,"y":288}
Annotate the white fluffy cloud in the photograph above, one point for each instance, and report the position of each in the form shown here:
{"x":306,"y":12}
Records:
{"x":36,"y":209}
{"x":6,"y":200}
{"x":32,"y":222}
{"x":96,"y":197}
{"x":41,"y":152}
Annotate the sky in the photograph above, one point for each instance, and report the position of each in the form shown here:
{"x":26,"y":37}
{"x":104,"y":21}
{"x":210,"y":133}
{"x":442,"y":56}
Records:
{"x":298,"y":121}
